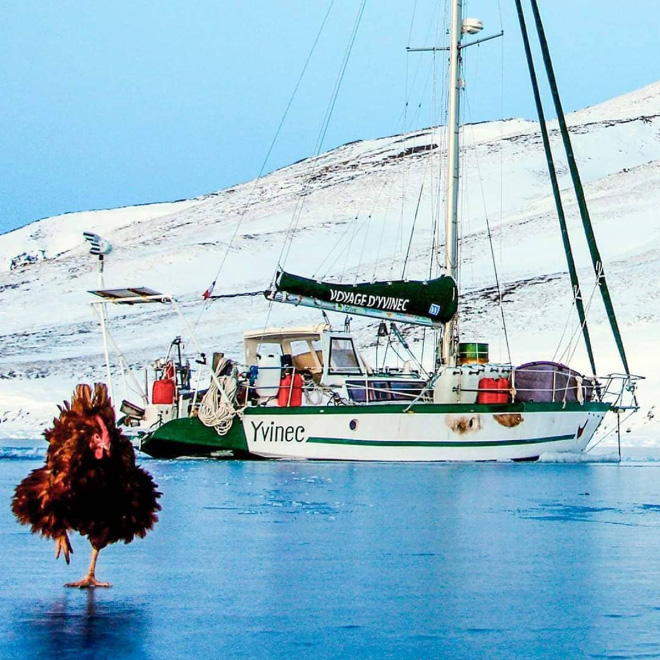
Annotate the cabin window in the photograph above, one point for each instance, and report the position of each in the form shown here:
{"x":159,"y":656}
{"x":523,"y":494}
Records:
{"x":405,"y":390}
{"x":357,"y":390}
{"x":298,"y":347}
{"x":379,"y":390}
{"x":269,"y":347}
{"x":343,"y":358}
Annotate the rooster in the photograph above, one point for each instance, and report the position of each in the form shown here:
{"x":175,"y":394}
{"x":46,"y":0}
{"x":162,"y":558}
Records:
{"x":90,"y":483}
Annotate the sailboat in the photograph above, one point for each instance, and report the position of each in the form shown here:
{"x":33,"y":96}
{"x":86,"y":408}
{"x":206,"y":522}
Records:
{"x":308,"y":392}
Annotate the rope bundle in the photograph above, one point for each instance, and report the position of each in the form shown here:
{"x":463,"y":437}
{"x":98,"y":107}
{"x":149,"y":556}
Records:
{"x":217,"y":408}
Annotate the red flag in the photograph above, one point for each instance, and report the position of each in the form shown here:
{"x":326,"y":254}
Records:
{"x":207,"y":294}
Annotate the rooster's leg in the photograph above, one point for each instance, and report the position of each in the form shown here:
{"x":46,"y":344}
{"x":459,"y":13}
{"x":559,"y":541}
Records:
{"x":90,"y":579}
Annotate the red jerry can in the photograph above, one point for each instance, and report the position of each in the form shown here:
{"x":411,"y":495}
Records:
{"x":493,"y":390}
{"x":505,"y":390}
{"x":163,"y":391}
{"x":290,"y":392}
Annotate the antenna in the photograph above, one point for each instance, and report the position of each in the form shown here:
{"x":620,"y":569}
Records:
{"x":100,"y":247}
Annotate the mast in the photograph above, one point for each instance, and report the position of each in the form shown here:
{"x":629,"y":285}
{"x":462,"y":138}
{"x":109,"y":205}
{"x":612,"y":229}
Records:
{"x":448,"y":348}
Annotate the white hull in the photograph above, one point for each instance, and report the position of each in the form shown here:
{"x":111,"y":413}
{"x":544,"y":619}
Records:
{"x":426,"y":433}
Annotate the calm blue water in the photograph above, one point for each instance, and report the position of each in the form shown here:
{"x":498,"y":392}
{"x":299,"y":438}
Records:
{"x":323,"y":560}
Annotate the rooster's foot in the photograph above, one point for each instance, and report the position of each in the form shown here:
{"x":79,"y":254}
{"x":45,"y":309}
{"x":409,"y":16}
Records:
{"x":87,"y":582}
{"x":63,"y":545}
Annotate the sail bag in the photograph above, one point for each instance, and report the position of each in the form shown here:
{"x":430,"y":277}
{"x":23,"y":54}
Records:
{"x":430,"y":303}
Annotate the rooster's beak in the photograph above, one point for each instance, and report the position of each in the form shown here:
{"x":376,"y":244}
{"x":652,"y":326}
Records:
{"x":101,"y":440}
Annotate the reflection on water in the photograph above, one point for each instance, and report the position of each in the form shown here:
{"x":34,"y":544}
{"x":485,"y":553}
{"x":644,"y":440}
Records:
{"x":79,"y":624}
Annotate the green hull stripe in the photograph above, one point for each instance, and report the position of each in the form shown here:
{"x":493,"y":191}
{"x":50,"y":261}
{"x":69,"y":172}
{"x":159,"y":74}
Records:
{"x":421,"y":443}
{"x":429,"y":408}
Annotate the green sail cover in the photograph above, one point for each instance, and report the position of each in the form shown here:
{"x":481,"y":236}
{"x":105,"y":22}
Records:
{"x":427,"y":303}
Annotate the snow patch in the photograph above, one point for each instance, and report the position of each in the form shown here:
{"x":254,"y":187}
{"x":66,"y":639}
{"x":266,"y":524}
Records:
{"x":359,"y":201}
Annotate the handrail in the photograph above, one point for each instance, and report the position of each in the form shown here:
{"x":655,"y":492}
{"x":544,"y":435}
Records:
{"x":622,"y":388}
{"x":617,"y":389}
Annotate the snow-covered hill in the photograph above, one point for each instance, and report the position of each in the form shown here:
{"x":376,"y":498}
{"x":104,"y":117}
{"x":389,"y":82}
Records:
{"x":357,"y":211}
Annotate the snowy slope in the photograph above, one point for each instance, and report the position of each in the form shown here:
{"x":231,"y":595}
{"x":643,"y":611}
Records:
{"x":358,"y":207}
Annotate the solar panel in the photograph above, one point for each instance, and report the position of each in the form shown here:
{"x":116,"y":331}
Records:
{"x":132,"y":295}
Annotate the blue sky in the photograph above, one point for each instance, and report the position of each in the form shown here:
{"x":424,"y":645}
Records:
{"x":112,"y":104}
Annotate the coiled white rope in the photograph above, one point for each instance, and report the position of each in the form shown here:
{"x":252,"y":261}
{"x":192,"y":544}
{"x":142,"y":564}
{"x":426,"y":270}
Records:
{"x":217,"y":408}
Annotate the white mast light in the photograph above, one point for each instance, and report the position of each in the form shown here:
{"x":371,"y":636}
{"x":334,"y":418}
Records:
{"x":472,"y":26}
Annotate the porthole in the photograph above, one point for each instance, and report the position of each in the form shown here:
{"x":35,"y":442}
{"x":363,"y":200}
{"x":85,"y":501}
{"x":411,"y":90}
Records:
{"x":353,"y":424}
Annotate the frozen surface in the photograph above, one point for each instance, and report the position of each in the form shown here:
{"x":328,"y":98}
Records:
{"x":320,"y":560}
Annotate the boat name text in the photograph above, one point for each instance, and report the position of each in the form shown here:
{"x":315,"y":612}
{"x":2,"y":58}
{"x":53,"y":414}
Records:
{"x":275,"y":433}
{"x":389,"y":303}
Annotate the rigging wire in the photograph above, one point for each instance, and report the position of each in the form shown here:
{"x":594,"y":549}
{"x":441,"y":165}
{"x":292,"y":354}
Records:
{"x":383,"y":224}
{"x":572,"y":312}
{"x":490,"y":243}
{"x":367,"y":227}
{"x":398,"y":242}
{"x":209,"y":291}
{"x":410,"y":30}
{"x":315,"y":160}
{"x":319,"y":273}
{"x":412,"y":231}
{"x":573,"y":343}
{"x":406,"y":121}
{"x":406,"y":173}
{"x":438,"y":201}
{"x":405,"y":124}
{"x":433,"y":172}
{"x":501,"y":142}
{"x":435,"y":120}
{"x":587,"y":224}
{"x":402,"y":216}
{"x":427,"y":166}
{"x":297,"y":214}
{"x":347,"y":252}
{"x":609,"y":433}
